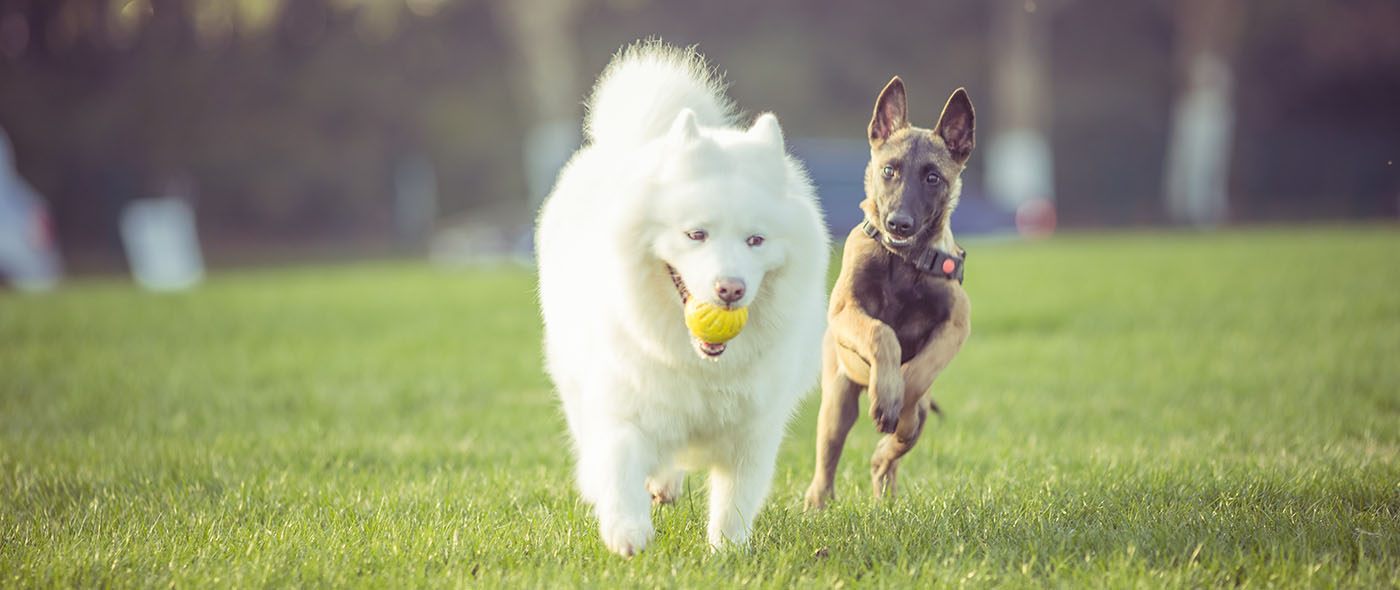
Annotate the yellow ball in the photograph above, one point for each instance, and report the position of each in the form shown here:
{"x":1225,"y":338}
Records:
{"x":712,"y":323}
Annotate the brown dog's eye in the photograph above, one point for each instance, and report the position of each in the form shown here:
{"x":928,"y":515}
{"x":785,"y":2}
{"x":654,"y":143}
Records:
{"x":933,"y":178}
{"x":887,"y":172}
{"x":754,"y":240}
{"x":698,"y":235}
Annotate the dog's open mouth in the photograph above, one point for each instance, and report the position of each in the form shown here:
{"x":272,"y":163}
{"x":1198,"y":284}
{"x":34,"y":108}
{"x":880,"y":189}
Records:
{"x":707,"y":350}
{"x":898,"y":242}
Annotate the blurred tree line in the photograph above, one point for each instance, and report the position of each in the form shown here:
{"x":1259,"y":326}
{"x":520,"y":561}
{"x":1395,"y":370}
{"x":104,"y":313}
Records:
{"x":289,"y":116}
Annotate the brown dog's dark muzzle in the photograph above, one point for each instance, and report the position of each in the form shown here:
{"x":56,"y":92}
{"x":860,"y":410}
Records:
{"x":900,"y":224}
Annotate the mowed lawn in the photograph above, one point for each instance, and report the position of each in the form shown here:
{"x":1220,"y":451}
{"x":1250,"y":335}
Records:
{"x":1132,"y":410}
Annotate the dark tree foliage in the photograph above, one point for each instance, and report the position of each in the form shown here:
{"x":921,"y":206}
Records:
{"x":288,"y":121}
{"x":287,"y":131}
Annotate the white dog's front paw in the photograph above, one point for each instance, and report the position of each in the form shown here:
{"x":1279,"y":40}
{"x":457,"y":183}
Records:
{"x":728,"y":537}
{"x":626,"y":537}
{"x":722,"y":542}
{"x":665,"y":489}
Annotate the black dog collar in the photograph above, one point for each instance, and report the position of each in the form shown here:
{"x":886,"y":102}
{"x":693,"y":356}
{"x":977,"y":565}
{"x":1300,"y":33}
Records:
{"x":927,"y":259}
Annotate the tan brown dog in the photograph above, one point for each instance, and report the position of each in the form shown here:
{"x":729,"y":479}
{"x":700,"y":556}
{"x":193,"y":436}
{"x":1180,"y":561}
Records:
{"x":898,"y":312}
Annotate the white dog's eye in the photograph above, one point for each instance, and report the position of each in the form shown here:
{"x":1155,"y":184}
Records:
{"x":887,"y":171}
{"x":698,"y":235}
{"x":754,"y":240}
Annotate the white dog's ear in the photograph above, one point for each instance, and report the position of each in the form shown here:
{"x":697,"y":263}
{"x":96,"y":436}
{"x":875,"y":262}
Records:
{"x":685,"y":127}
{"x":766,"y":129}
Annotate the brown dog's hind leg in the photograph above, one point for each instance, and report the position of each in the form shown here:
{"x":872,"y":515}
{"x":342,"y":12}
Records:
{"x":840,"y":397}
{"x":884,"y":464}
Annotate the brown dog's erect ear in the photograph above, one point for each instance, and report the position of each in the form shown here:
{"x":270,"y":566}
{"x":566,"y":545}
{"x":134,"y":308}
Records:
{"x":891,"y":112}
{"x":956,"y":125}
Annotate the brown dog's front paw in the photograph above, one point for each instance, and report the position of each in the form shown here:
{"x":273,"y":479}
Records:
{"x":887,"y":400}
{"x":885,"y":413}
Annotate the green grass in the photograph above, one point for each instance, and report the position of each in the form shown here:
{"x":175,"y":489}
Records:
{"x":1150,"y":410}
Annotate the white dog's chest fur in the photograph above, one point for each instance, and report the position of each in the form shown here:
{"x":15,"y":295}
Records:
{"x":692,"y":402}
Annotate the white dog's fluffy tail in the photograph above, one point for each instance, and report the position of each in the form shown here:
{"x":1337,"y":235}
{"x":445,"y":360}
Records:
{"x":647,"y":84}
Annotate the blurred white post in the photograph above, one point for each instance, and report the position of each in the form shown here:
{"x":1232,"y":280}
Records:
{"x":29,"y":259}
{"x":1020,"y":164}
{"x":1196,"y":174}
{"x":415,"y":199}
{"x":161,"y":243}
{"x":542,"y":32}
{"x":548,"y":146}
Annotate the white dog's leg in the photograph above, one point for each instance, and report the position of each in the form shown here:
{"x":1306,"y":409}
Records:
{"x":738,"y":488}
{"x":614,"y":468}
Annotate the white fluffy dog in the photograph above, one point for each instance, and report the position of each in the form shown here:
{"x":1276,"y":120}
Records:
{"x":668,"y":200}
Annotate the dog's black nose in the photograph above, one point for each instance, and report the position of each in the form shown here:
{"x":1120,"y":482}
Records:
{"x":729,"y":289}
{"x":900,"y":224}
